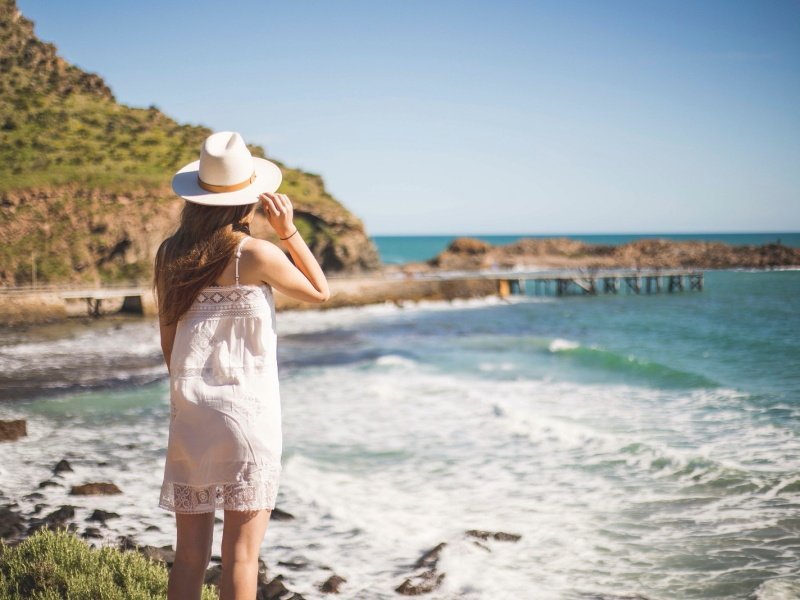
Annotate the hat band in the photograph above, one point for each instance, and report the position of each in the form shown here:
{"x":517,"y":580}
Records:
{"x":210,"y":187}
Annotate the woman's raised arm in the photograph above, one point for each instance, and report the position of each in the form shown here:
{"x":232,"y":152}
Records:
{"x":303,"y":280}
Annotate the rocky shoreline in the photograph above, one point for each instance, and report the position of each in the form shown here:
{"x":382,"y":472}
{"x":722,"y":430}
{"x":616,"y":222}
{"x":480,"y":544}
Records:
{"x":422,"y":575}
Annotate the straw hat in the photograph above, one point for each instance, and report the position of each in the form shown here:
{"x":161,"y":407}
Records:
{"x":226,"y":174}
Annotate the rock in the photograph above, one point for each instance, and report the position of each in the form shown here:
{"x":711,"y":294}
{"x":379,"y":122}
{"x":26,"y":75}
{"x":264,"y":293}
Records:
{"x":152,"y":528}
{"x":280,"y":515}
{"x":429,"y":559}
{"x":263,"y":572}
{"x":60,"y":515}
{"x":428,"y":580}
{"x":425,"y":582}
{"x":213,"y":575}
{"x":102,"y":516}
{"x":497,"y":535}
{"x":295,"y":563}
{"x":467,"y":245}
{"x":34,"y":496}
{"x":48,"y":483}
{"x":92,"y":532}
{"x":38,"y":508}
{"x":127,"y":542}
{"x":331,"y":584}
{"x":164,"y":554}
{"x":62,"y":466}
{"x":13,"y":430}
{"x":272,"y":590}
{"x":87,"y":489}
{"x":55,"y":520}
{"x":12,"y":523}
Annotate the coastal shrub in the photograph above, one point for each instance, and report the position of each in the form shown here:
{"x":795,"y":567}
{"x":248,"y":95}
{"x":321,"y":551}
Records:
{"x":58,"y":564}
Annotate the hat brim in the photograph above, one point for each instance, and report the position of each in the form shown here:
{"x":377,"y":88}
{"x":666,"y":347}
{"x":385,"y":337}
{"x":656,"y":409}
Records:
{"x":185,"y":184}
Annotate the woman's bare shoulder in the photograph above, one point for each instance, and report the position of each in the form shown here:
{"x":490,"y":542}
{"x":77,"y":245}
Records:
{"x":263,"y":249}
{"x":264,"y":254}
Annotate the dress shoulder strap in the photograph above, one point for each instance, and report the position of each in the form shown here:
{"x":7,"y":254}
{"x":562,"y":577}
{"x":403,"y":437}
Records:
{"x":238,"y":254}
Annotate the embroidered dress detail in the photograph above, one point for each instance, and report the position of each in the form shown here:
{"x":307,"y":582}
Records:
{"x":225,"y":438}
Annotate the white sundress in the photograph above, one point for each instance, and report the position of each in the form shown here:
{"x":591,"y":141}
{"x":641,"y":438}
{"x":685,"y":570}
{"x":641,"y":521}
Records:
{"x":225,"y":438}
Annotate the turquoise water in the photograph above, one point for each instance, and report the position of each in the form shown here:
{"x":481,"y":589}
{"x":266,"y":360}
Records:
{"x":396,"y":249}
{"x":639,"y":444}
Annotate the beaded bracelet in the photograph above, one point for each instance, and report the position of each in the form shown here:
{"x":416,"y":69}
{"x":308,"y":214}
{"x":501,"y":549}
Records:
{"x":288,"y":236}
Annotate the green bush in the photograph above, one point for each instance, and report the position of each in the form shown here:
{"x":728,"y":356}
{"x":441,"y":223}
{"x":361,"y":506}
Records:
{"x":53,"y":565}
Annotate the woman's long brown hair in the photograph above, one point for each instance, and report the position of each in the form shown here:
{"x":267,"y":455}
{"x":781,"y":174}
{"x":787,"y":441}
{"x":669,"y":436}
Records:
{"x":196,"y":254}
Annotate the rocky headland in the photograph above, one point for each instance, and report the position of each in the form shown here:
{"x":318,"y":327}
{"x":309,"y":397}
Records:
{"x":471,"y":254}
{"x":85,"y":191}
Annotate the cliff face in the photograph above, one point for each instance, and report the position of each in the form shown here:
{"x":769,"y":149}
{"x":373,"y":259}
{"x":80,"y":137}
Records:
{"x":470,"y":253}
{"x":85,"y":181}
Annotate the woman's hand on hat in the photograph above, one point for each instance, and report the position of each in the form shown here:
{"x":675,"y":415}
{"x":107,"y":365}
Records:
{"x":279,"y":211}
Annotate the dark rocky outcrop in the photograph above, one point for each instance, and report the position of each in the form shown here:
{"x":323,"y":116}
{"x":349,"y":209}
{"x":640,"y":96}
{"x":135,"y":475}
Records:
{"x":12,"y":523}
{"x":471,"y":254}
{"x":102,"y":516}
{"x":62,"y":466}
{"x":58,"y":519}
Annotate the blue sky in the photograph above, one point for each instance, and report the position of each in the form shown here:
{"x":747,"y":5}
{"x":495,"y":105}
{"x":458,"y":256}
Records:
{"x":438,"y":117}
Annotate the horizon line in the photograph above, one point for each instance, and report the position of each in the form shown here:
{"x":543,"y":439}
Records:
{"x":584,"y":233}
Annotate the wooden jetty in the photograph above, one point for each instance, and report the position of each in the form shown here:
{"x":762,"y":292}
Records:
{"x":582,"y":282}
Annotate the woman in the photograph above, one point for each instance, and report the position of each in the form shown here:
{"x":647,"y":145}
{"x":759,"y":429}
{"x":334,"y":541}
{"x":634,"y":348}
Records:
{"x":213,"y":283}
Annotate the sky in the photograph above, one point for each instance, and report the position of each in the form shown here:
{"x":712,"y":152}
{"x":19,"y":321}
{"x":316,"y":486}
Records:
{"x":493,"y":117}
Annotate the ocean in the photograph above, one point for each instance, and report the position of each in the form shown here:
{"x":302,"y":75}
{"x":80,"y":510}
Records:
{"x":642,"y":445}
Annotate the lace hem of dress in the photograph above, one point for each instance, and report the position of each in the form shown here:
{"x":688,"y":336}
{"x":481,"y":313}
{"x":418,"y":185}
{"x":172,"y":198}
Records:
{"x":242,"y":495}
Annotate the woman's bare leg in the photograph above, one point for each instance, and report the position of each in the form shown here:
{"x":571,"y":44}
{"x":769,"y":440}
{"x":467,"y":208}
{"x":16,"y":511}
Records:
{"x":242,"y":535}
{"x":192,"y":553}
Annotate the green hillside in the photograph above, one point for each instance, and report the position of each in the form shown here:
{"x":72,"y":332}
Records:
{"x":69,"y":151}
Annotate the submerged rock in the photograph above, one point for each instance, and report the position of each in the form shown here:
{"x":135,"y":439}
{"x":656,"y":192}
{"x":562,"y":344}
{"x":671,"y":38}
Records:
{"x":55,"y":520}
{"x":331,"y":584}
{"x":93,"y":488}
{"x":13,"y":430}
{"x":164,"y":554}
{"x":62,"y":466}
{"x":102,"y":515}
{"x":280,"y":515}
{"x":425,"y":582}
{"x":431,"y":557}
{"x":497,"y":535}
{"x":12,"y":523}
{"x":91,"y":532}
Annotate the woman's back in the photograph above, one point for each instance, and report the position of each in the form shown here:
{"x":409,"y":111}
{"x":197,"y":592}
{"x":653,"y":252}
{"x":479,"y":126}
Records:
{"x":225,"y":440}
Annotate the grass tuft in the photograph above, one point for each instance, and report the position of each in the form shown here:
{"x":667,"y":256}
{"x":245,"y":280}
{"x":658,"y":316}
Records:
{"x":52,"y":565}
